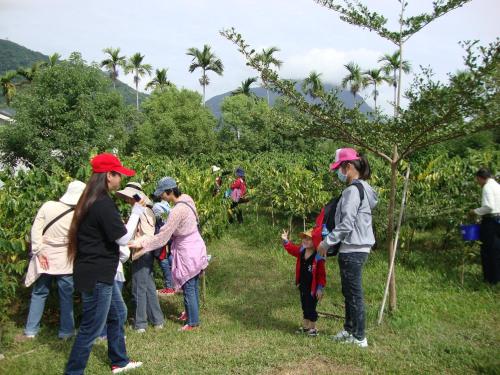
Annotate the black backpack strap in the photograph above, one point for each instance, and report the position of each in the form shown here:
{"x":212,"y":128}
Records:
{"x":56,"y":219}
{"x":361,"y":190}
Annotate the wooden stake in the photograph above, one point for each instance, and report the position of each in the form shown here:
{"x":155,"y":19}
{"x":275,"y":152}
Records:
{"x":393,"y":255}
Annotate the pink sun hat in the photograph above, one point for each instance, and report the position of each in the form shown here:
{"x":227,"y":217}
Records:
{"x":344,"y":154}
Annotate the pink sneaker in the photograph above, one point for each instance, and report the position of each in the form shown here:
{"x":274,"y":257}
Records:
{"x":187,"y":327}
{"x":183,"y":317}
{"x":166,"y":292}
{"x":129,"y":366}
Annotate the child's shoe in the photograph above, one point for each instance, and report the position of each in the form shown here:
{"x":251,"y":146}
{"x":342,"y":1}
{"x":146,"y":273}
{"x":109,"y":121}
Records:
{"x":302,"y":330}
{"x":166,"y":292}
{"x":341,"y":336}
{"x":183,"y":317}
{"x":313,"y":332}
{"x":129,"y":366}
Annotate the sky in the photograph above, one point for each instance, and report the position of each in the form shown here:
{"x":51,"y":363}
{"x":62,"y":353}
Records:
{"x":309,"y":36}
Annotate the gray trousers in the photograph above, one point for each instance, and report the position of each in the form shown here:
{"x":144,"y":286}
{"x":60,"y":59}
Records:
{"x":147,"y":306}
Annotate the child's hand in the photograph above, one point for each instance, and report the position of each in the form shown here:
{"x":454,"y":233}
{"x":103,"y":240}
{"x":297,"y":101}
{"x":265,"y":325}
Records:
{"x":319,"y":294}
{"x":284,"y":235}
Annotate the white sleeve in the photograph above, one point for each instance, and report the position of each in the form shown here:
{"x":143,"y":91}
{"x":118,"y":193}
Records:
{"x":131,"y":226}
{"x":124,"y":254}
{"x":487,"y":202}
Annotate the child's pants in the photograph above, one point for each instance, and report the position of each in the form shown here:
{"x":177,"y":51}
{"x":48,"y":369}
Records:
{"x":309,"y":303}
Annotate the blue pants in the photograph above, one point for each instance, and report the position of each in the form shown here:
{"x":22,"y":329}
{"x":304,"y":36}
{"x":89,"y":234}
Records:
{"x":39,"y":295}
{"x":351,"y":268}
{"x":104,"y":332}
{"x":103,"y":305}
{"x":191,"y":301}
{"x":166,"y":267}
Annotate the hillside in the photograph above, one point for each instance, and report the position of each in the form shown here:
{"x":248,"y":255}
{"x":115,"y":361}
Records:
{"x":14,"y":56}
{"x":345,"y":96}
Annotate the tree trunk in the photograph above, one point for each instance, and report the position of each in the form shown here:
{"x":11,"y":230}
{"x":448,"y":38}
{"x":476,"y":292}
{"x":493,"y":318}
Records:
{"x":375,"y":96}
{"x":203,"y":95}
{"x":268,"y":98}
{"x":390,"y":229}
{"x":137,"y":94}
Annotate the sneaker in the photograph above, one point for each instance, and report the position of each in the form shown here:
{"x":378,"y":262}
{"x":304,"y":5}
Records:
{"x":313,"y":332}
{"x":140,"y":330}
{"x":187,"y":327}
{"x":353,"y":340}
{"x":183,"y":317}
{"x":129,"y":366}
{"x":341,"y":336}
{"x":301,"y":330}
{"x":158,"y":327}
{"x":166,"y":292}
{"x":23,"y":338}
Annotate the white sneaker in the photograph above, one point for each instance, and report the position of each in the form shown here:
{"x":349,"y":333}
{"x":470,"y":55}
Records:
{"x":140,"y":330}
{"x":341,"y":336}
{"x":353,"y":340}
{"x":130,"y":366}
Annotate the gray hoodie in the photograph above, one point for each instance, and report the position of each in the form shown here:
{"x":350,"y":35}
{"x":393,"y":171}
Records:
{"x":353,"y":223}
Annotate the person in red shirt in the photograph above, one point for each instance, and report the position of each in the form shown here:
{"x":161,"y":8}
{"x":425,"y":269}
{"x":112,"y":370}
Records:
{"x":238,"y":191}
{"x":310,"y":278}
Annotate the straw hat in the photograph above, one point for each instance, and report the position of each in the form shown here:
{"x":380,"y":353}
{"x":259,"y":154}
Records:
{"x":130,"y":190}
{"x":305,"y":234}
{"x":73,"y":193}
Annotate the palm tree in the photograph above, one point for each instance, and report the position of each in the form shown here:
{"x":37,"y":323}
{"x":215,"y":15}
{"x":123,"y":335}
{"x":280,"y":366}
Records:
{"x":267,"y":59}
{"x":245,"y":88}
{"x":312,"y":84}
{"x":29,"y":73}
{"x":112,"y":62}
{"x":207,"y":61}
{"x":8,"y":85}
{"x":374,"y":77}
{"x":354,"y":79}
{"x":159,"y":81}
{"x":139,"y":70}
{"x":53,"y":60}
{"x":390,"y":64}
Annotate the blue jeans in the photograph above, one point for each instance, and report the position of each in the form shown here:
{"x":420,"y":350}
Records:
{"x":39,"y":295}
{"x":104,"y":332}
{"x":103,"y":305}
{"x":351,"y":268}
{"x":166,"y":267}
{"x":191,"y":301}
{"x":147,"y":306}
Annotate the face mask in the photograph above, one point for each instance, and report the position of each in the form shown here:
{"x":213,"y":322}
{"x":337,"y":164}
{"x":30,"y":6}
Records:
{"x":342,"y":177}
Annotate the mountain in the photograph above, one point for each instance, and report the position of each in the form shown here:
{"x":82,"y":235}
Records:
{"x":14,"y":56}
{"x":345,"y":96}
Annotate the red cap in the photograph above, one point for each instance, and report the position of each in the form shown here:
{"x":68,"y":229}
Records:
{"x":344,"y":154}
{"x":109,"y":163}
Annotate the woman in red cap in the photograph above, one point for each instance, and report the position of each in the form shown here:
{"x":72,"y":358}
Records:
{"x":95,"y":235}
{"x":353,"y":232}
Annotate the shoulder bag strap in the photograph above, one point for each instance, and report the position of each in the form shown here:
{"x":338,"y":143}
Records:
{"x":56,"y":219}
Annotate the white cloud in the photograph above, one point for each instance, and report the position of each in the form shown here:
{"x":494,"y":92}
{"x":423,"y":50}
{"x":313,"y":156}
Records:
{"x":329,"y":61}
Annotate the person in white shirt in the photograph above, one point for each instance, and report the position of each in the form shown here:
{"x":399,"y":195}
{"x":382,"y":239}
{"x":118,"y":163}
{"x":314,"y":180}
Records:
{"x":490,"y":225}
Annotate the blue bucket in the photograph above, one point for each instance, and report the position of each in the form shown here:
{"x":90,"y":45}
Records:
{"x":470,"y":232}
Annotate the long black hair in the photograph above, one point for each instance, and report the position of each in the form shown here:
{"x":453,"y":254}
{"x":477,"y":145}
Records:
{"x":97,"y":187}
{"x":361,"y":165}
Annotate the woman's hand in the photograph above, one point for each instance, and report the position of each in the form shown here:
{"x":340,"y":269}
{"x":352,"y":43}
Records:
{"x":319,"y":294}
{"x":322,"y":248}
{"x":284,"y":235}
{"x":44,"y":261}
{"x":135,"y":244}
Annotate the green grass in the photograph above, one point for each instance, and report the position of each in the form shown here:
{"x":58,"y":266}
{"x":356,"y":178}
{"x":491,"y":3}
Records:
{"x":252,"y":309}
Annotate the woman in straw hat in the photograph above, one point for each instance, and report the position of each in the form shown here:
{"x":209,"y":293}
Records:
{"x":147,"y":306}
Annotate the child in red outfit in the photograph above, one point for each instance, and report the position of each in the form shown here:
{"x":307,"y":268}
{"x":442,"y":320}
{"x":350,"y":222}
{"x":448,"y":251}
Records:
{"x":310,"y":278}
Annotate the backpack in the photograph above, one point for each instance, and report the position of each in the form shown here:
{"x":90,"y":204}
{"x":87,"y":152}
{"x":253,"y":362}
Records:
{"x":327,"y":217}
